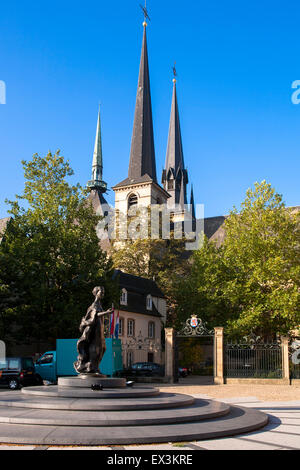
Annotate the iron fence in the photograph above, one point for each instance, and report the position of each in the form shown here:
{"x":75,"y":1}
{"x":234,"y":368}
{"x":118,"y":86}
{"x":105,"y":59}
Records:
{"x":295,"y":371}
{"x":294,"y":352}
{"x":262,"y":361}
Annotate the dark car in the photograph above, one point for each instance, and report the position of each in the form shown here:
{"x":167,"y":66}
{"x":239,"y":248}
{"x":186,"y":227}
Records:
{"x":16,"y":372}
{"x":142,"y":369}
{"x":183,"y":372}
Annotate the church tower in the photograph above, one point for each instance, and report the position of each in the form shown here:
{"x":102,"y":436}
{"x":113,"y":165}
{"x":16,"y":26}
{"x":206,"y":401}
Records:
{"x":175,"y":176}
{"x":141,"y":187}
{"x":97,"y":186}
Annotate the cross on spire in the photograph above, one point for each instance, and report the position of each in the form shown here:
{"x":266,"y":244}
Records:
{"x":174,"y":72}
{"x":145,"y":12}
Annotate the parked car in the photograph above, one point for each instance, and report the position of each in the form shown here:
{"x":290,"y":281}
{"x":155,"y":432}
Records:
{"x":142,"y":369}
{"x":16,"y":372}
{"x":183,"y":371}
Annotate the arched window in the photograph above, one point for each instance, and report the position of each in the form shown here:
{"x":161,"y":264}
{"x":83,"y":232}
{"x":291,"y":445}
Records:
{"x":130,"y":327}
{"x":132,"y":201}
{"x":151,"y":330}
{"x":124,"y":297}
{"x":149,"y":302}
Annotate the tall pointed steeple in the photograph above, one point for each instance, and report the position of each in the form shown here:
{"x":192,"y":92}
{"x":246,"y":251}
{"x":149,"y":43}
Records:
{"x":141,"y":188}
{"x":142,"y":155}
{"x":175,"y":176}
{"x":97,"y":166}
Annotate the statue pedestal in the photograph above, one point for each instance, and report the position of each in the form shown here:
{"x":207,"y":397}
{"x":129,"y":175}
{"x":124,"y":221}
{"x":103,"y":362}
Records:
{"x":86,"y":381}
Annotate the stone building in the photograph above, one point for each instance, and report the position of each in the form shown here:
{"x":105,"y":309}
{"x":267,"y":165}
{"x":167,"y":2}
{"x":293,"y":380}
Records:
{"x":142,"y":314}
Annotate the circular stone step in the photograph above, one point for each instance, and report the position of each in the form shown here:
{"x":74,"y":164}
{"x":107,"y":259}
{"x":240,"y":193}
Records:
{"x":202,"y":409}
{"x":239,"y":420}
{"x":162,"y":401}
{"x":85,"y":381}
{"x":65,"y":392}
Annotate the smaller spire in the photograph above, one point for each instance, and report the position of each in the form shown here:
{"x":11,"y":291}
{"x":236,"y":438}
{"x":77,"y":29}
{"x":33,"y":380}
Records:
{"x":192,"y":204}
{"x":97,"y":167}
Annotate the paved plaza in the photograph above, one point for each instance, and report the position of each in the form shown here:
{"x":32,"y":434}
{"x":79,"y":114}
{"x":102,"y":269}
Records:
{"x":282,"y":432}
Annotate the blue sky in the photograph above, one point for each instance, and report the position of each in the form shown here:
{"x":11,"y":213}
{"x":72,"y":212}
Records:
{"x":236,"y":62}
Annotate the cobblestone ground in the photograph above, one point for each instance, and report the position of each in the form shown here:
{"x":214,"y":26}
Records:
{"x":262,"y":392}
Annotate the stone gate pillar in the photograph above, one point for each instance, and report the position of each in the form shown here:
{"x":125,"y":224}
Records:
{"x":219,"y":356}
{"x":285,"y":359}
{"x":169,"y":354}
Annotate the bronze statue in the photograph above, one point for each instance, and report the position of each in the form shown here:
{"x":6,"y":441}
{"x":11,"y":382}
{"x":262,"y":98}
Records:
{"x":91,"y":346}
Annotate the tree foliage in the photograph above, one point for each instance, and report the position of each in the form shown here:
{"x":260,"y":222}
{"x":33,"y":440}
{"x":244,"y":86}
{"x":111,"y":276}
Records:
{"x":50,"y":256}
{"x":165,"y":261}
{"x":251,"y":282}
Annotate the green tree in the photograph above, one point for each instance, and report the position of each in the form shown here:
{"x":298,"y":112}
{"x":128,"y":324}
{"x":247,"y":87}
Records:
{"x":262,"y":247}
{"x":50,"y":257}
{"x":251,"y":282}
{"x":165,"y":261}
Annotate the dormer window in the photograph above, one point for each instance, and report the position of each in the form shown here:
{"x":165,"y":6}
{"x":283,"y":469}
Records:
{"x":124,"y":297}
{"x":149,"y":302}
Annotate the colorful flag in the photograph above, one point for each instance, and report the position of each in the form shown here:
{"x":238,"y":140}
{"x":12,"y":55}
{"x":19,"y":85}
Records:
{"x":117,"y":326}
{"x":112,"y":323}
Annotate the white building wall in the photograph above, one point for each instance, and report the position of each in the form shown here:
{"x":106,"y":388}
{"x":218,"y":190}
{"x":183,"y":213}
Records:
{"x":140,"y":344}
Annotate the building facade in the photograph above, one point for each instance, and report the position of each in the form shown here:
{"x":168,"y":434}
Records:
{"x":142,"y":317}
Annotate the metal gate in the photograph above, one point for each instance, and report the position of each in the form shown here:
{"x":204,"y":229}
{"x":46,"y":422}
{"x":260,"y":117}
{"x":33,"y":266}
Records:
{"x":253,"y":359}
{"x":193,"y":327}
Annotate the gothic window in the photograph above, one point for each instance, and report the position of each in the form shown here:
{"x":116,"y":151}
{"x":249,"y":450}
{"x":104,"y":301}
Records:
{"x":171,"y":184}
{"x":151,"y":330}
{"x":124,"y":297}
{"x":149,"y":302}
{"x":130,"y":327}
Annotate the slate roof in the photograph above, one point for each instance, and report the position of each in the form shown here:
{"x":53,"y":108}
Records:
{"x":138,"y":288}
{"x":142,"y":155}
{"x":174,"y":158}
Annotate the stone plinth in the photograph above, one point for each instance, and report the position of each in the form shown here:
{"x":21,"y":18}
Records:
{"x":86,"y":381}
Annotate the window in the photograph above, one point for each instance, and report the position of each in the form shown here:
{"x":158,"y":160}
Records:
{"x":27,"y":363}
{"x":47,"y":359}
{"x":151,"y":331}
{"x":3,"y":365}
{"x":132,"y":201}
{"x":149,"y":302}
{"x":123,"y":300}
{"x":121,"y":327}
{"x":171,"y":184}
{"x":130,"y":327}
{"x":13,"y":364}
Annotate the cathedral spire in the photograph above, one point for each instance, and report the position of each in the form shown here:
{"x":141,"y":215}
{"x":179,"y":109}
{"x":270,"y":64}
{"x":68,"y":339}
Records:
{"x":175,"y":177}
{"x":97,"y":166}
{"x":142,"y":155}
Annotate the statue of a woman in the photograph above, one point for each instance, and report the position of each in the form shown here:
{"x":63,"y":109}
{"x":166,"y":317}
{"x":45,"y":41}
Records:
{"x":91,"y":346}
